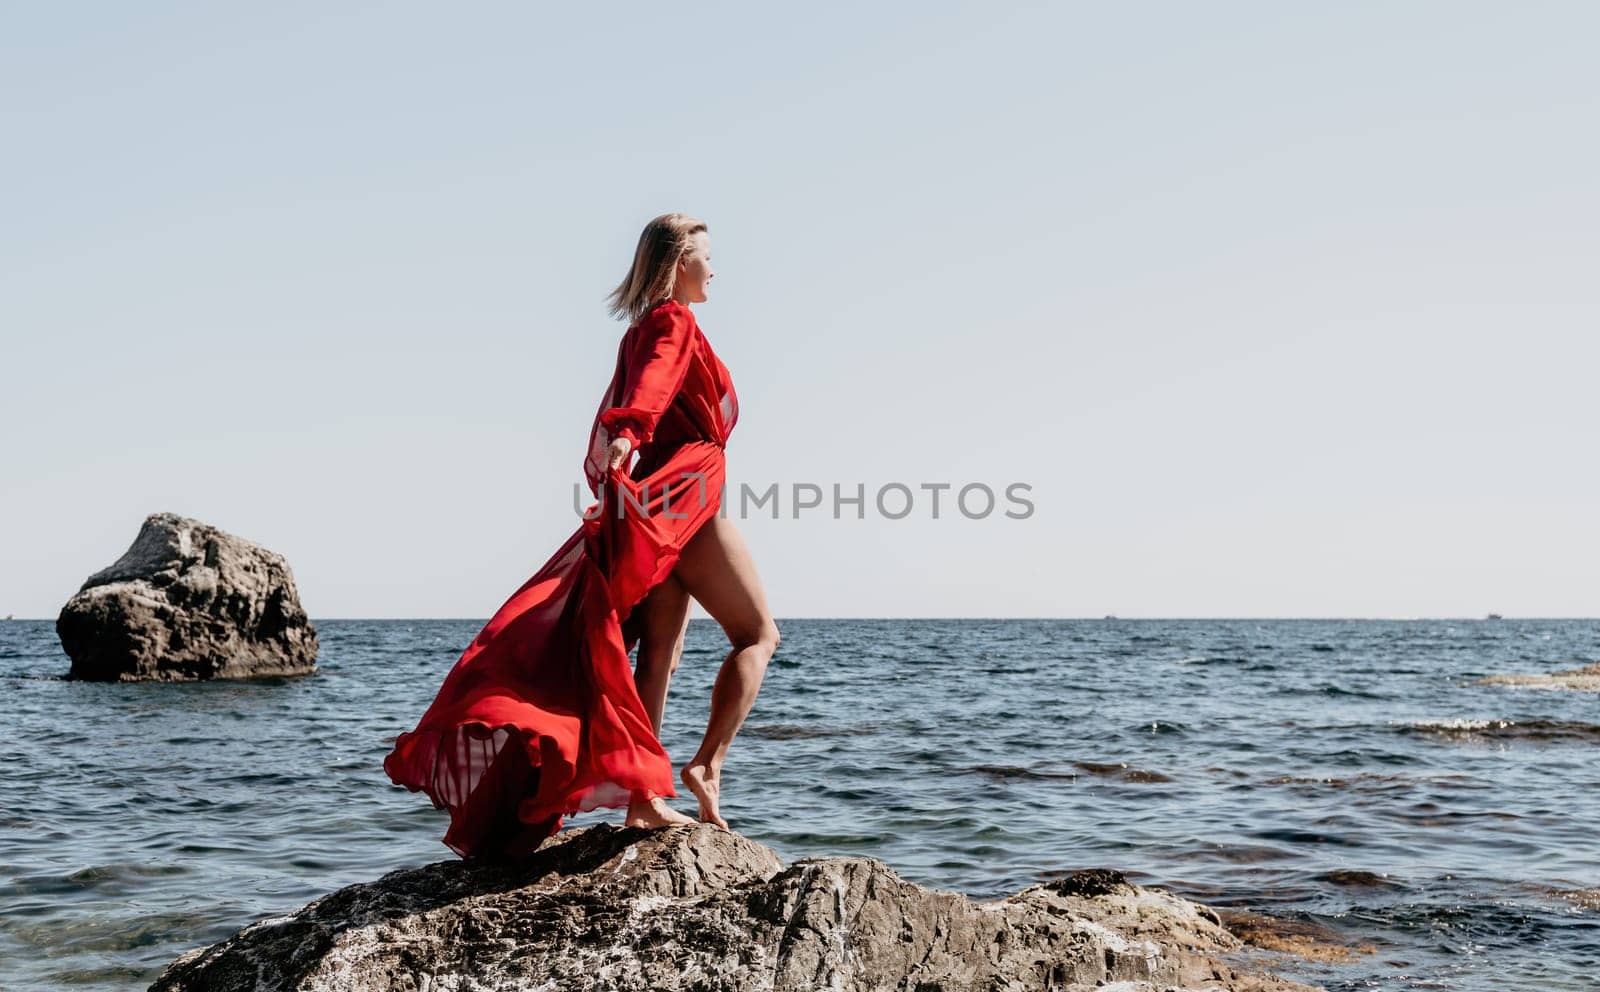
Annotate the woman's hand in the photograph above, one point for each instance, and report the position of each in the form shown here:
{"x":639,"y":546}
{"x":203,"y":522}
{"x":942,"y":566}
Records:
{"x":618,"y":453}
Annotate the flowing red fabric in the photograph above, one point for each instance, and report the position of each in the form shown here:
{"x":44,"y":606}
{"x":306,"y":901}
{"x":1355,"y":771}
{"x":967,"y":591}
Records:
{"x":540,"y":717}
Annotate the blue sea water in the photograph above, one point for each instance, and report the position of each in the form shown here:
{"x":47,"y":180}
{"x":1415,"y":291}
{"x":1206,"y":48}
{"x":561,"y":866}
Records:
{"x":1344,"y":775}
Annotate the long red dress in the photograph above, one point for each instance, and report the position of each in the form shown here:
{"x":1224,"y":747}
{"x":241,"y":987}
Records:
{"x":540,"y":717}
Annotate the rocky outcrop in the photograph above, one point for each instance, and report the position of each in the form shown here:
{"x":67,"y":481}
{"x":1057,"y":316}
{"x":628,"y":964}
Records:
{"x":700,"y":908}
{"x":1585,"y":678}
{"x":188,"y":601}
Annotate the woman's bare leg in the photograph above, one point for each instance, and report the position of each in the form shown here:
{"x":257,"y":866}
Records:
{"x":716,"y":568}
{"x":666,"y":619}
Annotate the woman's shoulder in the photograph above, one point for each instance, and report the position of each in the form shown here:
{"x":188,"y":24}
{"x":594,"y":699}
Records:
{"x":669,"y":313}
{"x":672,"y":306}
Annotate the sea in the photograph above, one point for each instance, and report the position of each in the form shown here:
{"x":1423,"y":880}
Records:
{"x":1346,"y":785}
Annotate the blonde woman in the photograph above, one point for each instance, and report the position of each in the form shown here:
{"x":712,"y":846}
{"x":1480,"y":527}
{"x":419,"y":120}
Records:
{"x":541,"y":716}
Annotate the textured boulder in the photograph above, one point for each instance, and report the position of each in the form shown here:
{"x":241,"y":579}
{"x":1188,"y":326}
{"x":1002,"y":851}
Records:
{"x":188,"y":601}
{"x":699,"y":908}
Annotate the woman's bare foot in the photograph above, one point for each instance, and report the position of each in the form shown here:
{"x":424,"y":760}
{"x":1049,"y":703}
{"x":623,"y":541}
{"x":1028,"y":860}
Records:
{"x":653,"y":813}
{"x":706,"y":784}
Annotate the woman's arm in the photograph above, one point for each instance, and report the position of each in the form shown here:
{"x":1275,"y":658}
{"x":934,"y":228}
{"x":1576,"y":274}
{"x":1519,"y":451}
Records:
{"x":656,"y":371}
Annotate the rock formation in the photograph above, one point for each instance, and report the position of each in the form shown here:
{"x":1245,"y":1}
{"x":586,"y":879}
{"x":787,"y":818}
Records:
{"x":700,"y":908}
{"x":188,"y":601}
{"x":1585,"y":678}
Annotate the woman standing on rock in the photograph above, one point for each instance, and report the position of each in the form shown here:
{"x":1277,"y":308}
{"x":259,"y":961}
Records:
{"x":541,"y":716}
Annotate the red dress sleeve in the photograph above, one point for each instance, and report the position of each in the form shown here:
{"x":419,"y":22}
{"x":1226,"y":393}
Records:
{"x":656,"y":369}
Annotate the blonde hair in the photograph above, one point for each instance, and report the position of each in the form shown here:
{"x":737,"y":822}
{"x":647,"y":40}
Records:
{"x":655,"y":265}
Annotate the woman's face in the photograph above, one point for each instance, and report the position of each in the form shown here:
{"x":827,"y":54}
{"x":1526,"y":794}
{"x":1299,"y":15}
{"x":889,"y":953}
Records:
{"x":694,"y":269}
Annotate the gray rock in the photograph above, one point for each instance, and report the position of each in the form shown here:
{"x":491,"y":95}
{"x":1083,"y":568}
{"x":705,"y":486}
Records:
{"x":700,"y":908}
{"x":188,"y":601}
{"x":1585,"y":679}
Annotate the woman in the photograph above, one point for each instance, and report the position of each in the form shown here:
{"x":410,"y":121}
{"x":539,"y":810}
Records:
{"x":541,"y":716}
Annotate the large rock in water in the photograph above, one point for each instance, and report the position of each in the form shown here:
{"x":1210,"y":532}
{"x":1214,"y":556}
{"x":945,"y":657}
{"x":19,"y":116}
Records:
{"x":188,"y":601}
{"x":700,"y":908}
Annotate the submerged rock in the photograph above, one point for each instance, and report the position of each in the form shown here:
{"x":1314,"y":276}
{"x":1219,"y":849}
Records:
{"x":1298,"y":937}
{"x":1585,"y":678}
{"x":700,"y":908}
{"x":188,"y":601}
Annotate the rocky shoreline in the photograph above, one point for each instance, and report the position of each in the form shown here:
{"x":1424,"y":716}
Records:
{"x":699,"y":908}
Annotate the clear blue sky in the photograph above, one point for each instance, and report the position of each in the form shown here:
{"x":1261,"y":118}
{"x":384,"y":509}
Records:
{"x":1280,"y":309}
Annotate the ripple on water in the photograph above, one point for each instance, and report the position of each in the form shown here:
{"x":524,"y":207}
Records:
{"x":117,"y":976}
{"x":1121,"y":770}
{"x":1158,"y":727}
{"x":110,"y":932}
{"x":792,"y":731}
{"x":111,"y":877}
{"x":1351,"y":878}
{"x":1004,"y":772}
{"x":1376,"y":783}
{"x":1239,"y":854}
{"x":1295,"y":836}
